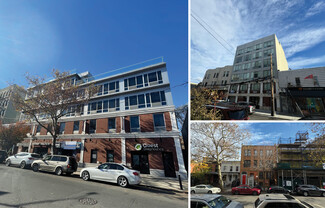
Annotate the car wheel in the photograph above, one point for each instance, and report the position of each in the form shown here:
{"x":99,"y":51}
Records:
{"x":209,"y":192}
{"x":236,"y":192}
{"x":305,"y":193}
{"x":35,"y":167}
{"x":58,"y":171}
{"x":254,"y":193}
{"x":192,"y":192}
{"x":85,"y":176}
{"x":323,"y":194}
{"x":22,"y":164}
{"x":8,"y":163}
{"x":122,"y":181}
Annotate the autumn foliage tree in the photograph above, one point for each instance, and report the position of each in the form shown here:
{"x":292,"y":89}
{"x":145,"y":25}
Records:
{"x":48,"y":101}
{"x":217,"y":142}
{"x":11,"y":134}
{"x":199,"y":169}
{"x":200,"y":97}
{"x":318,"y":143}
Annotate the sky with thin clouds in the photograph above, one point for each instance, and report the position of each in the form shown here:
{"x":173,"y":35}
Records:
{"x":269,"y":133}
{"x":298,"y":24}
{"x":96,"y":36}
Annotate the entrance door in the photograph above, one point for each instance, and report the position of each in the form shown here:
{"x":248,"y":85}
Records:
{"x":93,"y":158}
{"x":244,"y":179}
{"x":140,"y":162}
{"x":169,"y":166}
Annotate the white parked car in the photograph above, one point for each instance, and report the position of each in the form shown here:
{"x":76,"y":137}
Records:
{"x":205,"y":189}
{"x":279,"y":200}
{"x":112,"y":172}
{"x":22,"y":159}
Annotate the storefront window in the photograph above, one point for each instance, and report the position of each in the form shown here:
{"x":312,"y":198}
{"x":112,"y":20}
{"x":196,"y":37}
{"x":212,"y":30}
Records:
{"x":109,"y":155}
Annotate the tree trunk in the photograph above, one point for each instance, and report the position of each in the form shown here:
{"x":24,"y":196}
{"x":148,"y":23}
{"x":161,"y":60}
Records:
{"x":53,"y":147}
{"x":220,"y":175}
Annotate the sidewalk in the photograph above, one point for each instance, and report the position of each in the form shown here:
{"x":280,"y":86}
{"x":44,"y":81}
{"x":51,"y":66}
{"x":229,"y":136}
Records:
{"x":279,"y":115}
{"x":170,"y":184}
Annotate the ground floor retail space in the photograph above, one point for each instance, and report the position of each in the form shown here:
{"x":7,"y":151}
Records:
{"x":261,"y":101}
{"x":155,"y":156}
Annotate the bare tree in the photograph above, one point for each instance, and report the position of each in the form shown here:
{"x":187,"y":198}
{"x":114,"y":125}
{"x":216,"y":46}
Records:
{"x":47,"y":102}
{"x":217,"y":141}
{"x":180,"y":114}
{"x":317,"y":144}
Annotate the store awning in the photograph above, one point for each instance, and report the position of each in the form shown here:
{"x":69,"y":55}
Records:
{"x":69,"y":145}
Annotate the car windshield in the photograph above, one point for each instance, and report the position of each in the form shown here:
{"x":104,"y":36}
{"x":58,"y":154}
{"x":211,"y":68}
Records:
{"x":237,"y":115}
{"x":219,"y":202}
{"x":209,"y":186}
{"x":126,"y":166}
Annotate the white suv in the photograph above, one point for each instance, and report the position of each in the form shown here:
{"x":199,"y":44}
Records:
{"x":279,"y":201}
{"x":22,"y":159}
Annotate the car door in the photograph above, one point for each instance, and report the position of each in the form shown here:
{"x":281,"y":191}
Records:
{"x":199,"y":189}
{"x":113,"y":172}
{"x":44,"y":164}
{"x":53,"y":163}
{"x":101,"y":172}
{"x":14,"y":159}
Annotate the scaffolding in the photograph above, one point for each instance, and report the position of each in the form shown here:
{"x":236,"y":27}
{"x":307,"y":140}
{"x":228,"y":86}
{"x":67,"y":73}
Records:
{"x":294,"y":165}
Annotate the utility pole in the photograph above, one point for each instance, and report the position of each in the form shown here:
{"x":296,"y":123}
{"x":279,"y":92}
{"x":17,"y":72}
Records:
{"x":272,"y":91}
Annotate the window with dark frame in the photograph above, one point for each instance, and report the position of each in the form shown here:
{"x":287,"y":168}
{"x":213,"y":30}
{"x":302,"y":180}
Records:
{"x":134,"y":123}
{"x":159,"y":122}
{"x":109,"y":155}
{"x":111,"y":124}
{"x":76,"y":126}
{"x":62,"y":127}
{"x":92,"y":126}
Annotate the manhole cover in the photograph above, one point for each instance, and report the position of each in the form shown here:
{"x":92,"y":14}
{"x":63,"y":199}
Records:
{"x":88,"y":201}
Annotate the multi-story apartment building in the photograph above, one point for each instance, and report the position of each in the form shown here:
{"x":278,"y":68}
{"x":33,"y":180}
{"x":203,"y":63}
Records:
{"x":304,"y":88}
{"x":295,"y":166}
{"x":256,"y":165}
{"x":219,"y":79}
{"x":130,"y":120}
{"x":250,"y":77}
{"x":8,"y":113}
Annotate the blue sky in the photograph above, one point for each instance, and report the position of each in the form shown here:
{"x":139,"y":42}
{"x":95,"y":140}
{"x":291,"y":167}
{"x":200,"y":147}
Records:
{"x":298,"y":24}
{"x":97,"y":36}
{"x":269,"y":133}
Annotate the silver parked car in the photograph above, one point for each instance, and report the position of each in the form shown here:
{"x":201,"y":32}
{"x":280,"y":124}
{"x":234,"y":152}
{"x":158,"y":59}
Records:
{"x":213,"y":201}
{"x":57,"y":164}
{"x":112,"y":172}
{"x":22,"y":159}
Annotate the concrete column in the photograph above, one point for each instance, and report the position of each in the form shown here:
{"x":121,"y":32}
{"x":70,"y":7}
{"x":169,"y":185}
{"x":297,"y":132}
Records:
{"x":82,"y":149}
{"x":123,"y":153}
{"x":236,"y":99}
{"x":237,"y":91}
{"x":30,"y":144}
{"x":173,"y":121}
{"x":84,"y":127}
{"x":182,"y":171}
{"x":123,"y":125}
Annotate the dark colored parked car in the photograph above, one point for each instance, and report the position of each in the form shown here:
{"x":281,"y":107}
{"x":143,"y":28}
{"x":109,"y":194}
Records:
{"x":213,"y":201}
{"x":278,"y":189}
{"x":245,"y":189}
{"x":230,"y":112}
{"x":250,"y":107}
{"x":310,"y":190}
{"x":3,"y":156}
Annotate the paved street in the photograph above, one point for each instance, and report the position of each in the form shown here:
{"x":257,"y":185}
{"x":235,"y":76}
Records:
{"x":248,"y":200}
{"x":25,"y":188}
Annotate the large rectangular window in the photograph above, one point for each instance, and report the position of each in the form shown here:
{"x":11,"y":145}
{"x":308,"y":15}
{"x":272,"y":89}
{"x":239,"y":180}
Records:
{"x":62,"y":127}
{"x":76,"y":126}
{"x":139,"y":81}
{"x":103,"y":106}
{"x":148,"y":100}
{"x":268,"y":43}
{"x":106,"y":88}
{"x":159,"y":122}
{"x":247,"y":163}
{"x":111,"y":124}
{"x":92,"y":126}
{"x":134,"y":123}
{"x":109,"y":155}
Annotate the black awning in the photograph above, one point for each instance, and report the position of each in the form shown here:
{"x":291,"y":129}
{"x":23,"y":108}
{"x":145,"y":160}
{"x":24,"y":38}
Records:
{"x":307,"y":92}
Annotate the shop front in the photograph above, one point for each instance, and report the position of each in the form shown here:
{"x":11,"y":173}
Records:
{"x":152,"y":156}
